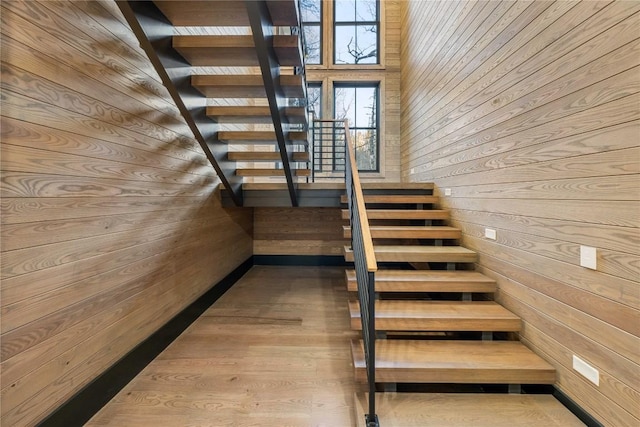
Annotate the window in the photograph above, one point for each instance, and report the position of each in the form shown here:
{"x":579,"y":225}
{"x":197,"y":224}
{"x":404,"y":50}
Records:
{"x":344,"y":35}
{"x":358,"y":104}
{"x":356,"y":29}
{"x":314,"y":94}
{"x":311,"y":11}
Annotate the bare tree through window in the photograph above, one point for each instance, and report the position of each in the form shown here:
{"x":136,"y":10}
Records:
{"x":358,"y":104}
{"x":356,"y":32}
{"x":311,"y":11}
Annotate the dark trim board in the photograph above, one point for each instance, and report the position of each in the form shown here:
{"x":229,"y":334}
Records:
{"x":88,"y":401}
{"x":582,"y":415}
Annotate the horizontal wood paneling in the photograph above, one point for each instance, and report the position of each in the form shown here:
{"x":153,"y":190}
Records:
{"x":298,"y":231}
{"x":110,"y":212}
{"x":530,"y":113}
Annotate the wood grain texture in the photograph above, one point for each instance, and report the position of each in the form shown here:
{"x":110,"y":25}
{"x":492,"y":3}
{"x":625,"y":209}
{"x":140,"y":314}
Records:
{"x":274,"y":350}
{"x":298,"y":231}
{"x":416,"y":315}
{"x":434,"y":361}
{"x":467,"y":409}
{"x":111,"y":215}
{"x":535,"y":128}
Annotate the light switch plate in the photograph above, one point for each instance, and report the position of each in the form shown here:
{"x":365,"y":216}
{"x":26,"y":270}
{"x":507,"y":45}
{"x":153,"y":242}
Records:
{"x":447,"y":191}
{"x":586,"y":370}
{"x":490,"y":233}
{"x":588,"y":257}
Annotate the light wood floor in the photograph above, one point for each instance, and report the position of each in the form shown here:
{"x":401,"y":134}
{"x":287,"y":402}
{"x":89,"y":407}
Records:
{"x":274,"y":351}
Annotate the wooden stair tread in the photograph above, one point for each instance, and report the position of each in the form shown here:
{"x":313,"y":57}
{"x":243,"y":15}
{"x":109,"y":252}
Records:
{"x":244,"y":85}
{"x":466,"y":409}
{"x":466,"y":362}
{"x":270,"y":172}
{"x":400,"y":253}
{"x":409,"y":232}
{"x":253,"y":114}
{"x":402,"y":214}
{"x":419,"y":315}
{"x":268,"y":186}
{"x":228,"y":13}
{"x":397,"y":186}
{"x":234,"y":50}
{"x":258,"y":156}
{"x":259,"y":136}
{"x":396,"y":198}
{"x":426,"y":281}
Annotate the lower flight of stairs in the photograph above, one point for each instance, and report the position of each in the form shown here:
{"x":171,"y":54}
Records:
{"x":438,"y":324}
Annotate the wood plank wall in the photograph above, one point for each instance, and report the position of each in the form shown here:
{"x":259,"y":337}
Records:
{"x":298,"y":231}
{"x":528,"y":112}
{"x":111,"y":220}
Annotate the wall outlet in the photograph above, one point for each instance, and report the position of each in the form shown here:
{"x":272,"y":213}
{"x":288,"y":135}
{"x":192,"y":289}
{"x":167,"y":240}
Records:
{"x":586,"y":370}
{"x":490,"y":233}
{"x":412,"y":171}
{"x":447,"y":191}
{"x":588,"y":257}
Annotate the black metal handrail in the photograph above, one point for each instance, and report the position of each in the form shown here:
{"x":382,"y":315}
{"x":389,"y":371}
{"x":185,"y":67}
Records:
{"x":365,"y":267}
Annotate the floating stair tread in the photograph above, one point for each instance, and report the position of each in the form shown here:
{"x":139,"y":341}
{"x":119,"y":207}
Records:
{"x":401,"y":253}
{"x":271,"y":172}
{"x":234,"y":50}
{"x":461,"y":362}
{"x":258,"y":156}
{"x":396,"y":198}
{"x":397,"y":186}
{"x":465,"y":409}
{"x":227,"y":13}
{"x":426,"y":281}
{"x":259,"y":136}
{"x":288,"y":50}
{"x":420,"y":315}
{"x":402,"y":214}
{"x":268,"y":186}
{"x":253,"y":114}
{"x":409,"y":232}
{"x":244,"y":85}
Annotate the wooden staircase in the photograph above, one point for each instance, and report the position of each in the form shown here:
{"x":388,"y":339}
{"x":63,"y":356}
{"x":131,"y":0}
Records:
{"x":436,"y":324}
{"x":236,"y":71}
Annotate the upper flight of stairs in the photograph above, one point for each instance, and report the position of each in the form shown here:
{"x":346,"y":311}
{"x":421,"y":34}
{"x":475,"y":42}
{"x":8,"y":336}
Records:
{"x":250,"y":72}
{"x":437,"y":324}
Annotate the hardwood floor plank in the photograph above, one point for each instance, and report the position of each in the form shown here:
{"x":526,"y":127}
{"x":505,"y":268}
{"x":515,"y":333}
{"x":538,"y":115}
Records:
{"x":456,"y":410}
{"x":251,"y":377}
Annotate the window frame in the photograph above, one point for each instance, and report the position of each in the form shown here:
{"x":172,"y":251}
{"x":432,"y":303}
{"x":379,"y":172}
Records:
{"x":320,"y":25}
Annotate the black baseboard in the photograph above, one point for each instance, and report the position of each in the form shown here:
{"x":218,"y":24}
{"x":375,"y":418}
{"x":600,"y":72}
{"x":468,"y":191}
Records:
{"x":87,"y":402}
{"x":307,"y":260}
{"x":582,"y":415}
